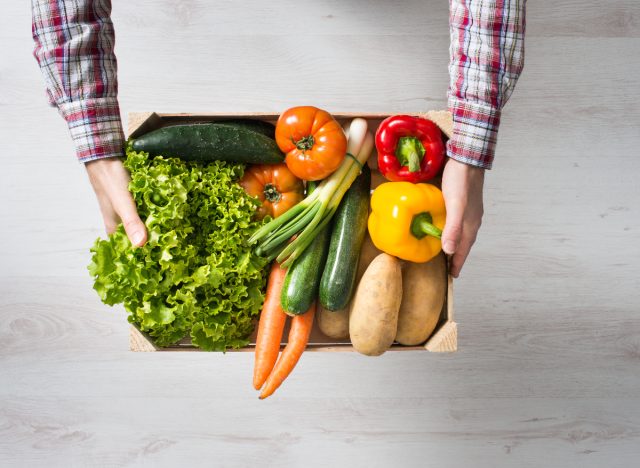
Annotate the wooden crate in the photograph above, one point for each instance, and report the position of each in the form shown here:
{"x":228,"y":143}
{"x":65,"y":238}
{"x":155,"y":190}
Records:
{"x":445,"y":336}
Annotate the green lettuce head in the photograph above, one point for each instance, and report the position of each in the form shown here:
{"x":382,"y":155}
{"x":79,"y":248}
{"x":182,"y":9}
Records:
{"x":196,"y":275}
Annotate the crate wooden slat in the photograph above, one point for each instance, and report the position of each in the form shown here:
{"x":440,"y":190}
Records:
{"x":445,"y":336}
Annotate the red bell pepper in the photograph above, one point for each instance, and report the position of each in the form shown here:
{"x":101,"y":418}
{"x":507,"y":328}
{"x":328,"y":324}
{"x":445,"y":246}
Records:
{"x":409,"y":149}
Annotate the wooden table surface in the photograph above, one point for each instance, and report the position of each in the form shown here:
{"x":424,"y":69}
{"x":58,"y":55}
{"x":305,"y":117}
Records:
{"x":548,"y":371}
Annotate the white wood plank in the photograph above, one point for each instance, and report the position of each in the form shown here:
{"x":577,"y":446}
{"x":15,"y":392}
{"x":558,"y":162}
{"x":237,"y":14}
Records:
{"x":344,"y":432}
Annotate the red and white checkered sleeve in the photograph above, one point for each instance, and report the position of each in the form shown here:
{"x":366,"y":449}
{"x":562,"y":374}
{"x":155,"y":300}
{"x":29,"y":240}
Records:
{"x":74,"y":41}
{"x":486,"y":59}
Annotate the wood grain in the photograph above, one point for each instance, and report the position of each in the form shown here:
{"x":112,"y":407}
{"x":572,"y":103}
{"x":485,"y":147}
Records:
{"x":548,"y":368}
{"x":444,"y":340}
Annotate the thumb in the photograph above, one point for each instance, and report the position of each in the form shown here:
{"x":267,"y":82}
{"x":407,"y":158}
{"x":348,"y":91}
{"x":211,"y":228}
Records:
{"x":452,"y":232}
{"x":125,"y":207}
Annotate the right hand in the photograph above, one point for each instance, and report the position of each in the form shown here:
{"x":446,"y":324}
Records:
{"x":110,"y":180}
{"x":462,"y":189}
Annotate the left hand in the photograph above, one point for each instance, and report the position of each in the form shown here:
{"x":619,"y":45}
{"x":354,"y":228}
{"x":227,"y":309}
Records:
{"x":110,"y":180}
{"x":462,"y":187}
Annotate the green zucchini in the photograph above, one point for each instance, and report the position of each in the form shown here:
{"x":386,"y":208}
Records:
{"x":207,"y":142}
{"x":301,"y":282}
{"x":347,"y":236}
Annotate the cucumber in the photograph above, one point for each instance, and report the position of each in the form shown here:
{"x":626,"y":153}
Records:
{"x":347,"y":236}
{"x":207,"y":142}
{"x":260,"y":126}
{"x":301,"y":282}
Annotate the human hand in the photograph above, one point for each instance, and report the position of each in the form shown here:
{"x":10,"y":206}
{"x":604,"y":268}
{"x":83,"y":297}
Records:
{"x":462,"y":189}
{"x":110,"y":180}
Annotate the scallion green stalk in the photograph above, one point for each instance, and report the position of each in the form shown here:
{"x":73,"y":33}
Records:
{"x":308,"y":217}
{"x":291,"y":252}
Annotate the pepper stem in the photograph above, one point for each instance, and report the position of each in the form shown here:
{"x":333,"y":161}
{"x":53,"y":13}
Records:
{"x":305,"y":143}
{"x":410,"y":152}
{"x":271,"y":193}
{"x":422,"y":225}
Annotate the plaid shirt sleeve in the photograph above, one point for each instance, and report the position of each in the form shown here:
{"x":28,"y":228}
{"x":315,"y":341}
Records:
{"x":74,"y":42}
{"x":486,"y":59}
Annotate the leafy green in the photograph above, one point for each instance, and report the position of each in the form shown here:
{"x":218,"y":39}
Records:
{"x":197,"y":274}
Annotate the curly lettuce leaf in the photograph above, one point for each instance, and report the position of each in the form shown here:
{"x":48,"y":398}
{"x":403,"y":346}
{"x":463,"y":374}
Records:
{"x":197,"y":274}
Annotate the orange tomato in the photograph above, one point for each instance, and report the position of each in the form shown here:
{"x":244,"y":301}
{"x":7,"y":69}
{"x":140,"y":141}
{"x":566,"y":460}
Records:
{"x":314,"y":143}
{"x":275,"y":186}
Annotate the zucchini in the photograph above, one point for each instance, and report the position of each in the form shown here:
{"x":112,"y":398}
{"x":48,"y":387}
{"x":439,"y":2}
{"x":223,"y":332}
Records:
{"x":205,"y":142}
{"x":347,"y":236}
{"x":302,"y":280}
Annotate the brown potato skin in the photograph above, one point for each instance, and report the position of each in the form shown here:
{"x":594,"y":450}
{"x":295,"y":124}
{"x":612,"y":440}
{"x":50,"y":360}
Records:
{"x":334,"y":324}
{"x":367,"y":253}
{"x":373,"y":317}
{"x":424,"y":287}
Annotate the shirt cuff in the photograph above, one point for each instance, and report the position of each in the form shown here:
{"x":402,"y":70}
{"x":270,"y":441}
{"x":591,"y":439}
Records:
{"x":475,"y":132}
{"x":95,"y":127}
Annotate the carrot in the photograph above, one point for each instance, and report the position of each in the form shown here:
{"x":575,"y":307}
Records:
{"x":270,"y":327}
{"x":298,"y":338}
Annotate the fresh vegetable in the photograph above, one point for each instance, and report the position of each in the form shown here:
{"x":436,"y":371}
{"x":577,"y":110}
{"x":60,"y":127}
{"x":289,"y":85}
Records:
{"x":347,"y":235}
{"x":206,"y":142}
{"x":373,"y":318}
{"x":313,"y":141}
{"x":301,"y":326}
{"x":409,"y":149}
{"x":197,"y":274}
{"x":407,"y":219}
{"x":260,"y":126}
{"x":313,"y":213}
{"x":275,"y":186}
{"x":301,"y":284}
{"x":423,"y":289}
{"x":367,"y":254}
{"x":334,"y":324}
{"x":270,"y":328}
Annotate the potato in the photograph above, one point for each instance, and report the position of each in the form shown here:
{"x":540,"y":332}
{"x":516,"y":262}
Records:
{"x":334,"y":324}
{"x":424,"y":286}
{"x":367,"y":253}
{"x":373,"y":317}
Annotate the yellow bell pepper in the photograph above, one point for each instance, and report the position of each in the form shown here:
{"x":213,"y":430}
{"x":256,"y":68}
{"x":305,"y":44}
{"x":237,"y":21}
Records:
{"x":407,"y":220}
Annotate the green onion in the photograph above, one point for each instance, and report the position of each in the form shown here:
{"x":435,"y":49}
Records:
{"x":308,"y":217}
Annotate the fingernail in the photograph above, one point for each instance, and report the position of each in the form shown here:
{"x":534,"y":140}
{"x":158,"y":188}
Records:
{"x":137,"y":237}
{"x":449,"y":247}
